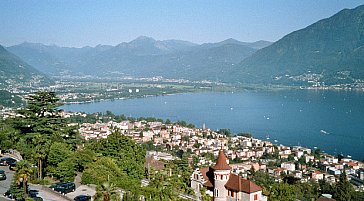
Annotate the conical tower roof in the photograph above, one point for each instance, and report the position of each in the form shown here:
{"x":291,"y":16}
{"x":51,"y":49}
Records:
{"x":221,"y":163}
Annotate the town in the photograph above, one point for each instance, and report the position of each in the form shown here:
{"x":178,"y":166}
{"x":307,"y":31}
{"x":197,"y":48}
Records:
{"x":245,"y":153}
{"x":225,"y":166}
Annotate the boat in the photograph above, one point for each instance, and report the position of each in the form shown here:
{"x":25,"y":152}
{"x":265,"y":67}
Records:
{"x":324,"y":132}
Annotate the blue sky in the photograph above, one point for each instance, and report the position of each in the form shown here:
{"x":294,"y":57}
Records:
{"x":89,"y":22}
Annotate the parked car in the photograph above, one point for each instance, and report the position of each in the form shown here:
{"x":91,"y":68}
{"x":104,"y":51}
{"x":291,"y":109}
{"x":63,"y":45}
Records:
{"x":8,"y":194}
{"x":53,"y":186}
{"x":12,"y":166}
{"x":82,"y":198}
{"x":37,"y":199}
{"x":33,"y":193}
{"x":2,"y":175}
{"x":65,"y":188}
{"x":6,"y":161}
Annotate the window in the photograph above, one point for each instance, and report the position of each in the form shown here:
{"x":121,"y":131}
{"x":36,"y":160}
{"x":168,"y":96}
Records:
{"x":232,"y":193}
{"x":221,"y":177}
{"x":256,"y":197}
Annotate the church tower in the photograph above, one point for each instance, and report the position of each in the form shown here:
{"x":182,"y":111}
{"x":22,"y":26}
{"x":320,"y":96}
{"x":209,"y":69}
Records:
{"x":221,"y":176}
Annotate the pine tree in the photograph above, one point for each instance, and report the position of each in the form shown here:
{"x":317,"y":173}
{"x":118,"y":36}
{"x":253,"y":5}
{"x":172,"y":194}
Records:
{"x":343,"y":188}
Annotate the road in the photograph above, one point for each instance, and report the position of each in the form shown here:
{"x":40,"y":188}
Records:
{"x":47,"y":195}
{"x":5,"y":184}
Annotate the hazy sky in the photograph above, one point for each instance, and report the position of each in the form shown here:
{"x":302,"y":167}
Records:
{"x":80,"y":22}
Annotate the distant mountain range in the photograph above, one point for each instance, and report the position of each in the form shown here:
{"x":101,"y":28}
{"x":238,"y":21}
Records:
{"x":143,"y":56}
{"x":15,"y":72}
{"x":330,"y":51}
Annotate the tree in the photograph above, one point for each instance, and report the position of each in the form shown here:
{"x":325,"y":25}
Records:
{"x":58,"y":152}
{"x":343,"y":188}
{"x":128,"y":155}
{"x":248,"y":135}
{"x":22,"y":175}
{"x":225,"y":131}
{"x":40,"y":125}
{"x":204,"y":196}
{"x":282,"y":192}
{"x":82,"y":158}
{"x":103,"y":170}
{"x":107,"y":192}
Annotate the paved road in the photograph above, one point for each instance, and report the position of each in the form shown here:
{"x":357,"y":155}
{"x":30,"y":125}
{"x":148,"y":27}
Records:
{"x":5,"y":184}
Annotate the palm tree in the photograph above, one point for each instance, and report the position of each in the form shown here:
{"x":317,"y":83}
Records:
{"x":41,"y":150}
{"x":22,"y":175}
{"x":107,"y":192}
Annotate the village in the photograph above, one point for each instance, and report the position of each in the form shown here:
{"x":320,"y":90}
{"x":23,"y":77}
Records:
{"x":244,"y":153}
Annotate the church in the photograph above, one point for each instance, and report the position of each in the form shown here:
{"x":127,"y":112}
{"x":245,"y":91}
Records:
{"x":223,"y":185}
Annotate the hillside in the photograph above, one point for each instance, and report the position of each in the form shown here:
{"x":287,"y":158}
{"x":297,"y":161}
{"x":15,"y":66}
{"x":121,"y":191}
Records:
{"x":15,"y":72}
{"x":143,"y":56}
{"x":330,"y":51}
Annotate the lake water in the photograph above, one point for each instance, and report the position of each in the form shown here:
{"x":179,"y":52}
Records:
{"x":330,"y":120}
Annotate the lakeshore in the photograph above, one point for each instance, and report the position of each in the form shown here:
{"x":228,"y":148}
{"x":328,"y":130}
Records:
{"x":292,"y":117}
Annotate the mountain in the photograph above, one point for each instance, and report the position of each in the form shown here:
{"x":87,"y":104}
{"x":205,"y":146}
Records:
{"x":330,"y":51}
{"x":143,"y":56}
{"x":255,"y":45}
{"x":52,"y":59}
{"x":172,"y":59}
{"x":15,"y":72}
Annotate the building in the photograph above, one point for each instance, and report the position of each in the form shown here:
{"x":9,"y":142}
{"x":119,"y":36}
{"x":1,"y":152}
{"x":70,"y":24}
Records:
{"x":221,"y":184}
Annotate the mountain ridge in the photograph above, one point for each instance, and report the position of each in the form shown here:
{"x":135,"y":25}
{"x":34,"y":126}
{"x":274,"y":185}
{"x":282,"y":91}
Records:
{"x":141,"y":54}
{"x":324,"y":49}
{"x":15,"y":72}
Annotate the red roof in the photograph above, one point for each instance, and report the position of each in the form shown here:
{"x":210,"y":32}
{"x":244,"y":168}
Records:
{"x":204,"y":172}
{"x":245,"y":186}
{"x":221,"y":163}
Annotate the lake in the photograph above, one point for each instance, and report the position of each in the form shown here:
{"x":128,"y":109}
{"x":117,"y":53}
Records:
{"x":330,"y":120}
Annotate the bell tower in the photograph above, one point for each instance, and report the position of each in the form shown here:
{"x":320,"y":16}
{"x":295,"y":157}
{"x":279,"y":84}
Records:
{"x":221,"y":176}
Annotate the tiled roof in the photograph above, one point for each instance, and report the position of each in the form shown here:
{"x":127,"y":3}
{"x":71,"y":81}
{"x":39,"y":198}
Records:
{"x":245,"y":186}
{"x":221,"y":163}
{"x":207,"y":176}
{"x":203,"y":172}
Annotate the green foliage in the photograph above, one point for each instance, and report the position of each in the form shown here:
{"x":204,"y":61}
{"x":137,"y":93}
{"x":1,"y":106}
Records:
{"x":307,"y":191}
{"x":21,"y":73}
{"x":21,"y":178}
{"x":128,"y":155}
{"x":82,"y":158}
{"x":107,"y":191}
{"x":160,"y":188}
{"x":37,"y":127}
{"x":8,"y":135}
{"x":59,"y":152}
{"x":282,"y":192}
{"x":326,"y":188}
{"x":8,"y":99}
{"x":103,"y":170}
{"x":204,"y":196}
{"x":343,"y":189}
{"x":225,"y":131}
{"x":64,"y":171}
{"x":263,"y":179}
